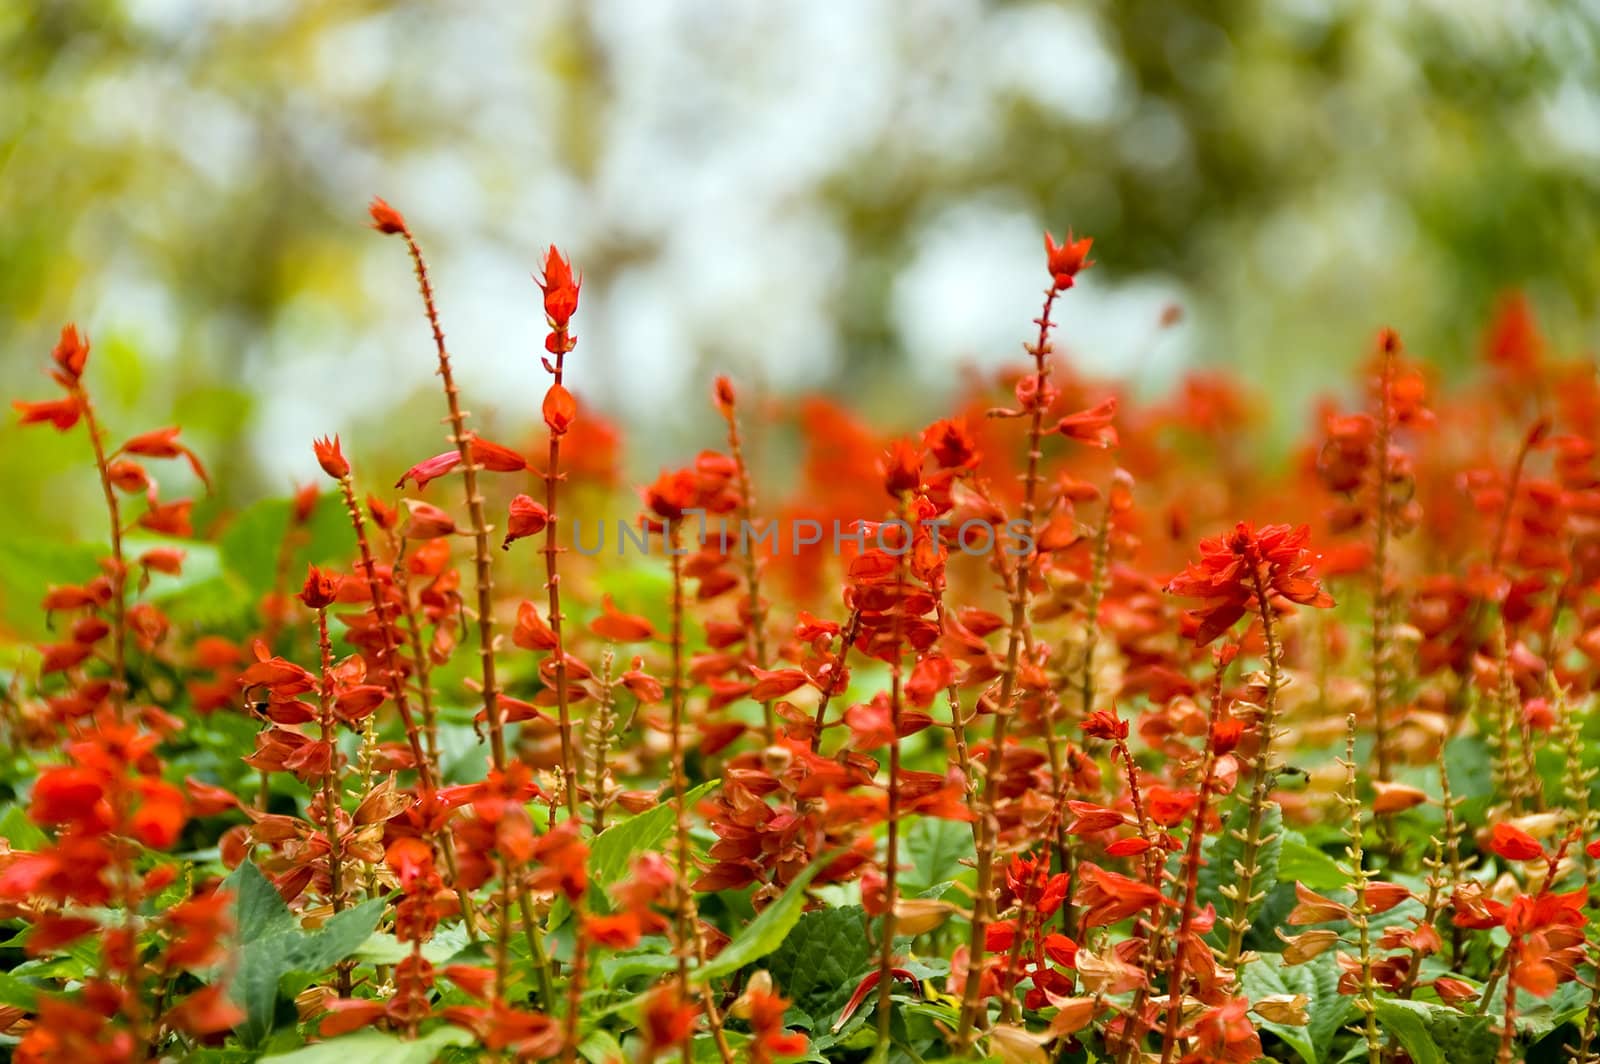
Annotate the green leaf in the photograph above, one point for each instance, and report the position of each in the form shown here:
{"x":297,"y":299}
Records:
{"x":936,"y":848}
{"x":258,"y":908}
{"x":249,"y":548}
{"x":613,"y":848}
{"x":1300,"y":862}
{"x":611,"y":851}
{"x":601,"y":1047}
{"x":336,"y":939}
{"x":1454,"y":1036}
{"x":384,"y":948}
{"x":821,"y":960}
{"x":1225,"y":853}
{"x":19,"y":831}
{"x":1408,"y":1023}
{"x":17,"y":993}
{"x":271,"y":945}
{"x":767,"y":931}
{"x":1326,"y":1009}
{"x":376,"y":1047}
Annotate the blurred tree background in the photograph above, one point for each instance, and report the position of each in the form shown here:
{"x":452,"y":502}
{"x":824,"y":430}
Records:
{"x":843,"y":195}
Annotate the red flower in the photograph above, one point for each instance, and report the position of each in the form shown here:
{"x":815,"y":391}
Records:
{"x":330,"y":458}
{"x":71,"y":352}
{"x":668,"y":1020}
{"x":385,"y":219}
{"x":528,"y":517}
{"x":620,"y":627}
{"x":321,"y":588}
{"x":1092,"y":426}
{"x":62,"y":413}
{"x":425,"y":521}
{"x":1103,"y":724}
{"x":1514,"y":844}
{"x":1107,"y":897}
{"x":1066,"y":259}
{"x":163,"y":443}
{"x":560,"y":289}
{"x":1235,"y":572}
{"x":559,"y":410}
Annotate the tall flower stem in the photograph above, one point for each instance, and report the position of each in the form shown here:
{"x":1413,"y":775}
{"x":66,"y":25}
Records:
{"x":420,"y":662}
{"x":396,"y":680}
{"x":119,"y":564}
{"x":847,"y":638}
{"x":1367,"y":986}
{"x":988,"y":823}
{"x":891,"y":866}
{"x":685,"y":916}
{"x":1262,"y":777}
{"x":680,"y":779}
{"x":330,"y":781}
{"x":755,"y":608}
{"x":1380,"y":568}
{"x":1191,"y":888}
{"x":560,"y":341}
{"x":480,"y":526}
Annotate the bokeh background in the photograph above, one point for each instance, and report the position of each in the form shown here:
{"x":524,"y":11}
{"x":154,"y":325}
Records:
{"x":833,"y":195}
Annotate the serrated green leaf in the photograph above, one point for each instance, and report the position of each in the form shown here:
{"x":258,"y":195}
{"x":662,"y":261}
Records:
{"x":766,"y":932}
{"x":936,"y":849}
{"x":376,"y":1047}
{"x":821,"y":960}
{"x":1326,"y":1009}
{"x":1458,"y":1037}
{"x":340,"y":936}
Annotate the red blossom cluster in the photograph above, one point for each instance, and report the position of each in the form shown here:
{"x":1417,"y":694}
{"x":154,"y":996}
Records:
{"x":975,"y":763}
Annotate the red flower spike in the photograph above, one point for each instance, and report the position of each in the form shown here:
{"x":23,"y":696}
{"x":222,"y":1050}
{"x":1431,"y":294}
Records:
{"x":385,"y":219}
{"x":1064,"y":260}
{"x":1231,"y":567}
{"x":560,"y":290}
{"x":321,"y":588}
{"x":71,"y":352}
{"x":331,"y":458}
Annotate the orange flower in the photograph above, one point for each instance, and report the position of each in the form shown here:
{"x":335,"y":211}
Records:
{"x":1064,"y":260}
{"x":1514,"y":844}
{"x":560,"y":289}
{"x":321,"y":588}
{"x":330,"y":458}
{"x":385,"y":219}
{"x":1092,"y":426}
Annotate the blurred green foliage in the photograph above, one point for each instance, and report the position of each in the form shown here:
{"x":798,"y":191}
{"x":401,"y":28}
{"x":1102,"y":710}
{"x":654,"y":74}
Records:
{"x":187,"y":178}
